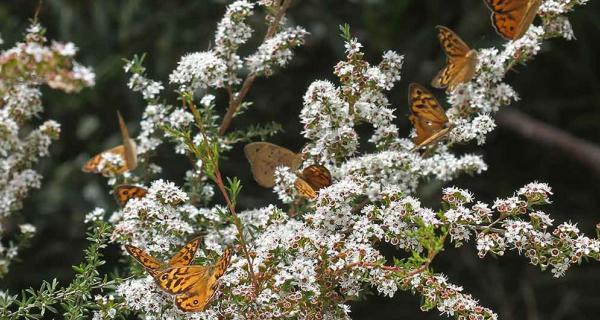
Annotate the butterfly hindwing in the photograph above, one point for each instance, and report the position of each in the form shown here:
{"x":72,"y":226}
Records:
{"x":265,"y":157}
{"x":198,"y":297}
{"x":181,"y":279}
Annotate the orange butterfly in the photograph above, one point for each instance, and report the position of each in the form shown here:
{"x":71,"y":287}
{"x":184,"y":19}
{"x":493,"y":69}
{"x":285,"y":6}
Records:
{"x":312,"y":179}
{"x":428,"y":117}
{"x":126,"y":151}
{"x":512,"y":18}
{"x":125,"y":192}
{"x":194,"y":286}
{"x":461,"y":61}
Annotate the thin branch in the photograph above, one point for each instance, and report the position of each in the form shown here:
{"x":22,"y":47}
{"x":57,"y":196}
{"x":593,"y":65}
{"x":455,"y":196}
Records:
{"x":583,"y":151}
{"x":235,"y":102}
{"x":221,"y":185}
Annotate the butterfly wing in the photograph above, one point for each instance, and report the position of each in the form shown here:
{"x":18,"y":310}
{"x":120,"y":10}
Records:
{"x":304,"y":189}
{"x":317,"y":176}
{"x":179,"y":280}
{"x":512,"y":18}
{"x":186,"y":254}
{"x":125,"y":192}
{"x":97,"y":164}
{"x":428,"y":117}
{"x":129,"y":145}
{"x":204,"y":290}
{"x":460,"y":60}
{"x":265,"y":157}
{"x":146,"y":260}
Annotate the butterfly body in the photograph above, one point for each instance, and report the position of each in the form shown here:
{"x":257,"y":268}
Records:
{"x":428,"y":117}
{"x":512,"y":18}
{"x":193,"y":285}
{"x":461,"y":61}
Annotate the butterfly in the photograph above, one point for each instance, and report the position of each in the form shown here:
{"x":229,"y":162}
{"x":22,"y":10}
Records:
{"x":127,"y":152}
{"x":461,"y":61}
{"x":512,"y":18}
{"x":125,"y":192}
{"x":194,"y":286}
{"x":312,"y":179}
{"x":265,"y":157}
{"x":428,"y":117}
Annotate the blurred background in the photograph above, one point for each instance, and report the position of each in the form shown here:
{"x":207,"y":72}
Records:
{"x":560,"y":93}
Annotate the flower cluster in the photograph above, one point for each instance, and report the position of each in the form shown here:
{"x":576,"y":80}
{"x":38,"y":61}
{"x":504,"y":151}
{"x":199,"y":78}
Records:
{"x":312,"y":260}
{"x":24,"y":68}
{"x":308,"y":262}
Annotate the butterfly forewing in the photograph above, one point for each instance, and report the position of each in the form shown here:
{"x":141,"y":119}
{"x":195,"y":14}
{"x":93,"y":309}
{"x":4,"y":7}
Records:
{"x":128,"y":144}
{"x":265,"y":157}
{"x":461,"y":61}
{"x":512,"y":18}
{"x":146,"y":260}
{"x":125,"y":192}
{"x":185,"y":256}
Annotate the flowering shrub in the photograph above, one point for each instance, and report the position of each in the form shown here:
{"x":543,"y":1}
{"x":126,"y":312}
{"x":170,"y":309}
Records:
{"x":24,"y":68}
{"x":309,"y":259}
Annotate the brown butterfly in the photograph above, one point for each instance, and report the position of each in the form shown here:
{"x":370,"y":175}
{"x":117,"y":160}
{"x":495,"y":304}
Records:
{"x":461,"y":61}
{"x":127,"y":152}
{"x":195,"y":285}
{"x":312,"y":179}
{"x":265,"y":157}
{"x":125,"y":192}
{"x":512,"y":18}
{"x":428,"y":117}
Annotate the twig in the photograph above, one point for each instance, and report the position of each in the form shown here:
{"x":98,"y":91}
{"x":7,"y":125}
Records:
{"x":581,"y":150}
{"x":222,"y":189}
{"x":234,"y":102}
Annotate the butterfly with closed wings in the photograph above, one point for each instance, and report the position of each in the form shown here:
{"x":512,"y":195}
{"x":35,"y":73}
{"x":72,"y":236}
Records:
{"x":194,"y":286}
{"x":428,"y":117}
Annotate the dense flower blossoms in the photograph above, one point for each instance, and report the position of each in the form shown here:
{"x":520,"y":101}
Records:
{"x":314,"y":258}
{"x":24,"y":68}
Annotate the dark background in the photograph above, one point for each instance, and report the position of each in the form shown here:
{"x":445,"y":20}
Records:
{"x":560,"y":87}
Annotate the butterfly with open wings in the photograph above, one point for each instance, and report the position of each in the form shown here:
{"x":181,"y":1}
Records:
{"x":194,"y":286}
